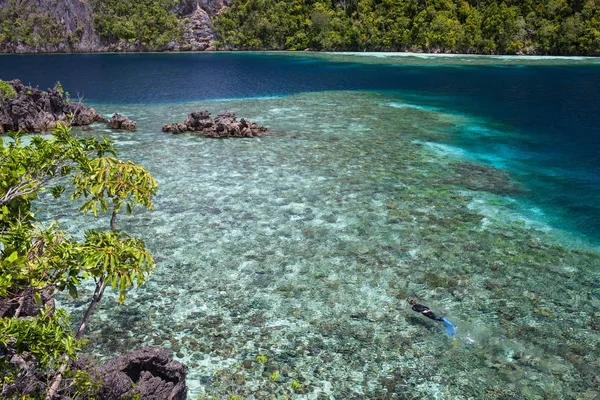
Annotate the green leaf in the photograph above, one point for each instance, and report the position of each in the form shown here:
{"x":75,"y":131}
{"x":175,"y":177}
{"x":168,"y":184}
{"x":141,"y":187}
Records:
{"x":72,"y":290}
{"x":13,"y":257}
{"x":37,"y":298}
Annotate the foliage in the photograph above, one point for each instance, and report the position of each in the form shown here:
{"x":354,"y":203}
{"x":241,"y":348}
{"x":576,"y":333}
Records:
{"x":468,"y":26}
{"x":41,"y":339}
{"x":145,"y":22}
{"x":58,"y":87}
{"x":34,"y":256}
{"x":123,"y":182}
{"x":23,"y":22}
{"x":7,"y":91}
{"x":114,"y":257}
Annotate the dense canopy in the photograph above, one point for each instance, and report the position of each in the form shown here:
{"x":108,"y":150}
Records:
{"x":469,"y":26}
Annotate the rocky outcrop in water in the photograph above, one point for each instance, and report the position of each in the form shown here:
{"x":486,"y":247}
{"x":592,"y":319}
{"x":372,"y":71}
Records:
{"x":119,"y":121}
{"x":224,"y":125}
{"x":32,"y":110}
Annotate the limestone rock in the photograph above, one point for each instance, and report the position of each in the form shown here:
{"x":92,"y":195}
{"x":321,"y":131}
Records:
{"x":119,"y":121}
{"x":83,"y":115}
{"x":198,"y":120}
{"x":198,"y":32}
{"x":175,"y":128}
{"x":224,"y":125}
{"x":148,"y":371}
{"x":33,"y":110}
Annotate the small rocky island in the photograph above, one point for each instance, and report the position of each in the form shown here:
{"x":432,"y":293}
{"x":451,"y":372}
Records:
{"x":28,"y":109}
{"x":225,"y":125}
{"x":121,"y":122}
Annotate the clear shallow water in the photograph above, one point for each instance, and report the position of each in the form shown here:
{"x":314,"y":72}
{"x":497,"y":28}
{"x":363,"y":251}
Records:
{"x":303,"y":245}
{"x":551,"y":103}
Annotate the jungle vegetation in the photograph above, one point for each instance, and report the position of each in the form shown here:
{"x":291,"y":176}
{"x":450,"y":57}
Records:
{"x":146,"y":22}
{"x":465,"y":26}
{"x":556,"y":27}
{"x":38,"y":258}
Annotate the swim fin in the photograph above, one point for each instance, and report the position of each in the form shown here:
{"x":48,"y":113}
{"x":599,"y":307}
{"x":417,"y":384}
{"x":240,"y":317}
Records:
{"x":450,"y":326}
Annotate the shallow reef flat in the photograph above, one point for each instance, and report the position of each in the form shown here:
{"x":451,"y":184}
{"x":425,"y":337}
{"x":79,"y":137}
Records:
{"x":302,"y":247}
{"x":440,"y":59}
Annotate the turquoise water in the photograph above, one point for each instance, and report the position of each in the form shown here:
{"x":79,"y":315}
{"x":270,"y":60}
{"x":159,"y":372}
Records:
{"x":303,"y":245}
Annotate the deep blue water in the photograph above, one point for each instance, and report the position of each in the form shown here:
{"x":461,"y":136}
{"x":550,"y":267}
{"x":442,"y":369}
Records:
{"x":554,"y":108}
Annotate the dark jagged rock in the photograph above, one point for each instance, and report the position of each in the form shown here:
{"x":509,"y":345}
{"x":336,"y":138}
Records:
{"x":175,"y":128}
{"x":148,"y":371}
{"x":82,"y":115}
{"x":119,"y":121}
{"x":23,"y":304}
{"x":33,"y":110}
{"x":225,"y":125}
{"x":198,"y":120}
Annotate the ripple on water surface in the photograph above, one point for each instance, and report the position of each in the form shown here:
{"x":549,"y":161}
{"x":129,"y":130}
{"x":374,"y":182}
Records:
{"x":303,"y":245}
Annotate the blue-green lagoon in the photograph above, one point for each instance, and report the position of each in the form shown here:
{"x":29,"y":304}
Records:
{"x":471,"y":186}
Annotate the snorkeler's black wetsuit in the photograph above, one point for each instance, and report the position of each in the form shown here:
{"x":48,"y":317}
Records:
{"x":425,"y":311}
{"x":420,"y":308}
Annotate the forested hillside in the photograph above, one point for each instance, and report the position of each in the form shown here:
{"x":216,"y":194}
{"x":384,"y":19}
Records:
{"x":466,"y":26}
{"x":31,"y":26}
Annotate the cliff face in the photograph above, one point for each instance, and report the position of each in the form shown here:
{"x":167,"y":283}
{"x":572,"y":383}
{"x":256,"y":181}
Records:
{"x":42,"y":26}
{"x":212,"y":7}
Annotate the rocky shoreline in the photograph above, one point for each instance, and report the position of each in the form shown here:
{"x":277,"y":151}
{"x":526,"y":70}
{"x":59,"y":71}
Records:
{"x":31,"y":110}
{"x":149,"y":373}
{"x":28,"y":109}
{"x":80,"y":35}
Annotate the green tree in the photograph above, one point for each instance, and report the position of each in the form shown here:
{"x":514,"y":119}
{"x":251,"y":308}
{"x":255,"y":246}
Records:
{"x":147,"y":22}
{"x":34,"y":258}
{"x":473,"y":26}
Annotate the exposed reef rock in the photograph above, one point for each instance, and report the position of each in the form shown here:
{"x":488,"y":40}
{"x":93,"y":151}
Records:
{"x":483,"y":178}
{"x":148,"y":371}
{"x":119,"y":121}
{"x":82,"y":115}
{"x":225,"y":125}
{"x":33,"y":110}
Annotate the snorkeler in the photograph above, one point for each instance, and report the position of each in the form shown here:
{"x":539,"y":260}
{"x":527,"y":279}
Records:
{"x":426,"y":311}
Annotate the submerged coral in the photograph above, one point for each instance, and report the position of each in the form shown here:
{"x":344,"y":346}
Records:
{"x":303,"y":249}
